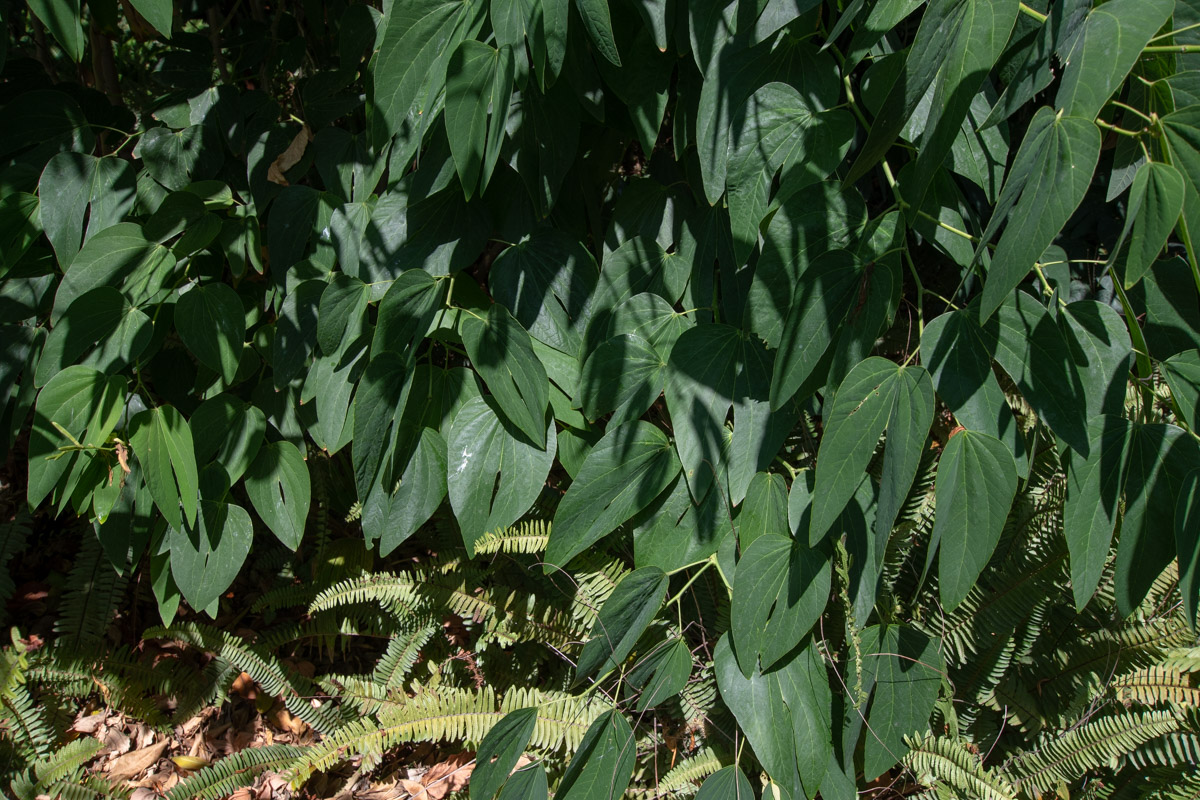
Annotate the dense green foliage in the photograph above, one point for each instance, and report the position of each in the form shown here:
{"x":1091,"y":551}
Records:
{"x":778,"y":397}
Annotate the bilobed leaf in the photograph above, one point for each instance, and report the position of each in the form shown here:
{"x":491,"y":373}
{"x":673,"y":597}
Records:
{"x":603,"y":765}
{"x":229,"y":431}
{"x":504,"y":743}
{"x":975,"y":486}
{"x":1187,"y":543}
{"x":1160,"y":457}
{"x":621,"y":475}
{"x":527,"y":783}
{"x":712,"y":369}
{"x":62,"y":19}
{"x":953,"y":349}
{"x":907,"y":427}
{"x":764,"y":509}
{"x":280,"y":490}
{"x":1107,"y":47}
{"x":625,"y":375}
{"x":1094,"y":487}
{"x":906,"y":669}
{"x":212,"y":323}
{"x":1099,"y":341}
{"x":778,"y":594}
{"x":501,"y":350}
{"x":394,"y":516}
{"x":804,"y":686}
{"x":163,"y":443}
{"x":378,"y":404}
{"x":158,"y":13}
{"x":1046,"y":183}
{"x":1155,"y":203}
{"x":782,"y":132}
{"x":728,"y":783}
{"x":117,"y":256}
{"x":343,"y":303}
{"x":418,"y":39}
{"x":74,"y":183}
{"x":1027,"y":343}
{"x":597,"y":21}
{"x":406,"y":311}
{"x":661,"y":674}
{"x":207,"y":556}
{"x":84,"y":403}
{"x":296,"y":331}
{"x":1182,"y":372}
{"x":1181,"y":130}
{"x":478,"y":87}
{"x":548,"y":282}
{"x":100,"y":324}
{"x":624,"y":616}
{"x":822,"y":297}
{"x":870,"y":399}
{"x":493,"y":473}
{"x":956,"y":46}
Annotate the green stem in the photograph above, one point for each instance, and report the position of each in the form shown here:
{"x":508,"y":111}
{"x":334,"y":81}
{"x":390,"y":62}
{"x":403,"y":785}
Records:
{"x":1176,"y":32}
{"x":1132,"y":110}
{"x":1108,"y":126}
{"x":1172,"y":48}
{"x":707,"y":563}
{"x":1034,"y":13}
{"x":1141,"y":352}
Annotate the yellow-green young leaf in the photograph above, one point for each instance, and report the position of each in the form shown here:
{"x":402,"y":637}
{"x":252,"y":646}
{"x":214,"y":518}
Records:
{"x":1046,"y":183}
{"x":85,"y":404}
{"x":501,"y":350}
{"x":905,"y":667}
{"x":206,"y":556}
{"x":1107,"y":47}
{"x":597,"y":21}
{"x":280,"y":490}
{"x":479,"y":84}
{"x":527,"y":783}
{"x":493,"y":473}
{"x":729,"y":783}
{"x":158,"y":13}
{"x":1152,"y":212}
{"x":500,"y":750}
{"x":62,"y":19}
{"x":661,"y":673}
{"x":163,"y":444}
{"x":1187,"y":543}
{"x":1182,"y":372}
{"x":212,"y":323}
{"x":975,"y":485}
{"x":620,"y":476}
{"x":625,"y":614}
{"x":603,"y":765}
{"x":1094,"y":486}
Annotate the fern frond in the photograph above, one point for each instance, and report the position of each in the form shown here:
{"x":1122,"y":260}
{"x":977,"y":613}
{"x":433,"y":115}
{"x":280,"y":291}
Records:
{"x":296,"y":690}
{"x":1155,"y":685}
{"x":685,"y":778}
{"x":26,"y":723}
{"x":13,"y":535}
{"x":1098,"y":743}
{"x":66,"y":763}
{"x":87,"y":608}
{"x":947,"y":761}
{"x":526,"y":538}
{"x":234,"y":772}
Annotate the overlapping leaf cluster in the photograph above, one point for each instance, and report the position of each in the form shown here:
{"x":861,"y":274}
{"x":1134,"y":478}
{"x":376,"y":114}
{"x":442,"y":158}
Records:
{"x":784,"y":304}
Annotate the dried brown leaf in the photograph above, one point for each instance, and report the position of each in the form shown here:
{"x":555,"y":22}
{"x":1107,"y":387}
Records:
{"x":128,"y":766}
{"x":289,"y":157}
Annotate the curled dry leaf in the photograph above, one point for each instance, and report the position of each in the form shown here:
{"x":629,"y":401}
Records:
{"x":443,"y":779}
{"x":130,"y":765}
{"x":289,"y":157}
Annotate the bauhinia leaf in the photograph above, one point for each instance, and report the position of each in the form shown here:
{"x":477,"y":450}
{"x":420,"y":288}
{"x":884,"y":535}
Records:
{"x":603,"y":765}
{"x":504,"y":743}
{"x":163,"y":443}
{"x":502,"y":352}
{"x":280,"y":490}
{"x":624,"y":616}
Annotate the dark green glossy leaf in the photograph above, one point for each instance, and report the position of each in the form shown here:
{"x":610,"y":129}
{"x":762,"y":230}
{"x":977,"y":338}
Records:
{"x":62,"y":19}
{"x":1099,"y":340}
{"x":75,"y":185}
{"x":976,"y":484}
{"x":1181,"y":131}
{"x":212,"y":323}
{"x":661,"y":673}
{"x":764,"y":509}
{"x":163,"y":443}
{"x":1107,"y":47}
{"x":100,"y":324}
{"x":280,"y":490}
{"x":635,"y":601}
{"x":621,"y":475}
{"x":726,"y":783}
{"x":343,"y":303}
{"x":1046,"y":183}
{"x":603,"y":765}
{"x":906,"y":669}
{"x":176,"y":158}
{"x":502,"y":352}
{"x":117,"y":256}
{"x":499,"y":751}
{"x":1182,"y":372}
{"x":478,"y":86}
{"x":527,"y":783}
{"x":1187,"y":543}
{"x":228,"y":431}
{"x":493,"y":473}
{"x":597,"y":21}
{"x":296,"y":331}
{"x":625,"y":375}
{"x":207,"y":556}
{"x":406,"y":312}
{"x":158,"y":13}
{"x":1155,"y":203}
